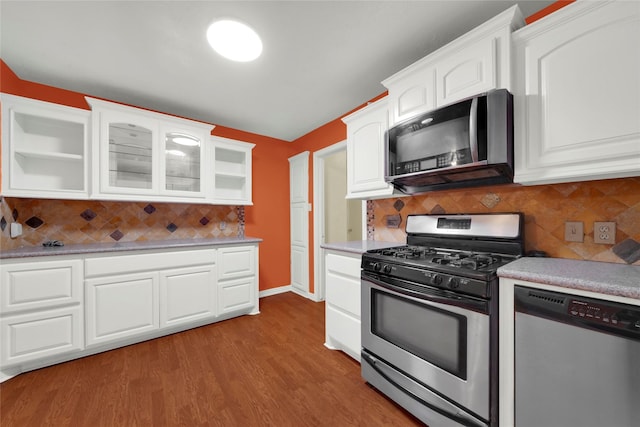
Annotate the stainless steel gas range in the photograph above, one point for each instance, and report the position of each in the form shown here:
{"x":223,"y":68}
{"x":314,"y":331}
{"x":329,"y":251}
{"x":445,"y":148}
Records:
{"x":430,"y":312}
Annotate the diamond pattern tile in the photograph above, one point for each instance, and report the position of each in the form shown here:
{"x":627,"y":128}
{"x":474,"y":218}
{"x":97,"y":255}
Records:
{"x":69,"y":221}
{"x":546,"y":209}
{"x":34,"y":222}
{"x":88,"y":215}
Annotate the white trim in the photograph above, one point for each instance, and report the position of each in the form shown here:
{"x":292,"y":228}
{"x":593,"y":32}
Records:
{"x":274,"y":291}
{"x":318,"y":216}
{"x":307,"y":295}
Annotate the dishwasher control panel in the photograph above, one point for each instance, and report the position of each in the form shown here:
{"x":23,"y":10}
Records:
{"x":604,"y":313}
{"x":605,"y":316}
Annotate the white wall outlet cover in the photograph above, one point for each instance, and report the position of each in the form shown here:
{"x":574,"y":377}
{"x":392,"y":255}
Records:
{"x":604,"y":232}
{"x":16,"y":229}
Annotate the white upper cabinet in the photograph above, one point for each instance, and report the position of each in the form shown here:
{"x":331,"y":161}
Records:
{"x":232,"y":166}
{"x":469,"y":71}
{"x":365,"y":152}
{"x":138,"y":153}
{"x":474,"y":63}
{"x":44,"y":149}
{"x":577,"y":102}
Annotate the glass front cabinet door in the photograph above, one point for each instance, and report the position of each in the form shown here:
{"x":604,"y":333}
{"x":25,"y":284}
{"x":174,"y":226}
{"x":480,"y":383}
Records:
{"x":147,"y":155}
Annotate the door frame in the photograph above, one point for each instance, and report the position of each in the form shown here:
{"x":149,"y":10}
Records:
{"x":318,"y":216}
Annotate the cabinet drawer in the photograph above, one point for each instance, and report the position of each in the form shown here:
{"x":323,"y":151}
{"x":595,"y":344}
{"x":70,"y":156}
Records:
{"x":235,"y":295}
{"x":344,"y":265}
{"x":344,"y":329}
{"x":35,"y":285}
{"x":38,"y":335}
{"x":142,"y":262}
{"x":236,"y":262}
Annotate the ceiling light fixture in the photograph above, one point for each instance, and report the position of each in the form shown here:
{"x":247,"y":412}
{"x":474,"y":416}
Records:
{"x":234,"y":40}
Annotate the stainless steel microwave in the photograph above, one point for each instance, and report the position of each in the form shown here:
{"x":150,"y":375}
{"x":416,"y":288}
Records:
{"x":469,"y":143}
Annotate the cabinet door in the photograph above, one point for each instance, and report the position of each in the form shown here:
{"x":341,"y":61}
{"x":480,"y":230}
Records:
{"x":468,"y":72}
{"x":121,"y":306}
{"x":129,"y":159}
{"x":183,"y":158}
{"x":44,"y":149}
{"x":236,"y":295}
{"x":37,"y":335}
{"x":578,"y":94}
{"x":366,"y":152}
{"x":415,"y":93}
{"x":187,"y":294}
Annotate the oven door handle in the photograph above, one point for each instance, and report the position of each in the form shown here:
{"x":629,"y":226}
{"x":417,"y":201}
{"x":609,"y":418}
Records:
{"x":429,"y":293}
{"x":437,"y":404}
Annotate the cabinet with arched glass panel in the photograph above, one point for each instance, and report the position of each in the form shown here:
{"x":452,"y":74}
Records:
{"x":143,"y":153}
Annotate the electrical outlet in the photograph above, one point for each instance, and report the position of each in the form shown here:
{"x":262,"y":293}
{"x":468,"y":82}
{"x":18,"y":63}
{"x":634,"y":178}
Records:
{"x":574,"y":231}
{"x":604,"y":232}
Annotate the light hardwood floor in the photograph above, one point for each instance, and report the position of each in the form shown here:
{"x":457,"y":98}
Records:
{"x":266,"y":370}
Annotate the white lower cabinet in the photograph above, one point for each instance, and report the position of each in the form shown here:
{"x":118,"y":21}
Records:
{"x":121,"y":306}
{"x":342,"y":305}
{"x":41,"y":314}
{"x":58,"y":308}
{"x":237,"y":279}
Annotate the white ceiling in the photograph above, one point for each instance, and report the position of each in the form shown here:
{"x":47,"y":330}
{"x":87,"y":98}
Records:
{"x":320,"y":59}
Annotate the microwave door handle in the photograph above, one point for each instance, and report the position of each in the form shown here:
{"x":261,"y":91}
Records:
{"x":473,"y":130}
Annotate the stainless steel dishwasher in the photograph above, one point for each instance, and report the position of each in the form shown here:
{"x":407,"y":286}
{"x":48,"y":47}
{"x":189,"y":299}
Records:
{"x":577,"y":361}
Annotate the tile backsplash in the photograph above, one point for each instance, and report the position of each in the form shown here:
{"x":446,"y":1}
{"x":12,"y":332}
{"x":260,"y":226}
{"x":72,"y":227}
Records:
{"x":81,"y":221}
{"x":546,"y":209}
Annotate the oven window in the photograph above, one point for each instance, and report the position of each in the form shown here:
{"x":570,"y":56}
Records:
{"x":434,"y":335}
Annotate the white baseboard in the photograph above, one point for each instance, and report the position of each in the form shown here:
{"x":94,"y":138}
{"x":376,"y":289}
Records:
{"x":274,"y":291}
{"x":288,"y":288}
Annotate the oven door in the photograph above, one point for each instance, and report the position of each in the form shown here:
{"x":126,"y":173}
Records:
{"x":428,"y":347}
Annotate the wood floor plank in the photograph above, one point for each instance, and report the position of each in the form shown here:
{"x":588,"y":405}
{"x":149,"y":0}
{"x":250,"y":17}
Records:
{"x":266,"y":370}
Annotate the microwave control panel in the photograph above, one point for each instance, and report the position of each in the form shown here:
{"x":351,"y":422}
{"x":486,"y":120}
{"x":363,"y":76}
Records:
{"x":440,"y":161}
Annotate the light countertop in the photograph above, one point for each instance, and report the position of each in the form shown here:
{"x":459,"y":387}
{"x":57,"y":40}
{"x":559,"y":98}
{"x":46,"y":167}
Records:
{"x":36,"y":251}
{"x":601,"y":277}
{"x":359,"y":246}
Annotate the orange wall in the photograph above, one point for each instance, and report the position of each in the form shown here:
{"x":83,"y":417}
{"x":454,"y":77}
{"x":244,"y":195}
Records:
{"x":326,"y":135}
{"x":267,"y":219}
{"x":547,"y":10}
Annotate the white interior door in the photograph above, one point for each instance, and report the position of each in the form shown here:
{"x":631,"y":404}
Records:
{"x":299,"y":206}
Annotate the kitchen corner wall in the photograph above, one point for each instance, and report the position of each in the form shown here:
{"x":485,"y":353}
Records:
{"x":546,"y":209}
{"x":81,"y":221}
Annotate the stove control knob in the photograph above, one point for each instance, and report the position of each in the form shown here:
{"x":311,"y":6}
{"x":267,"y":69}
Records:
{"x":386,"y":269}
{"x":436,"y":279}
{"x":376,"y":266}
{"x":453,"y":283}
